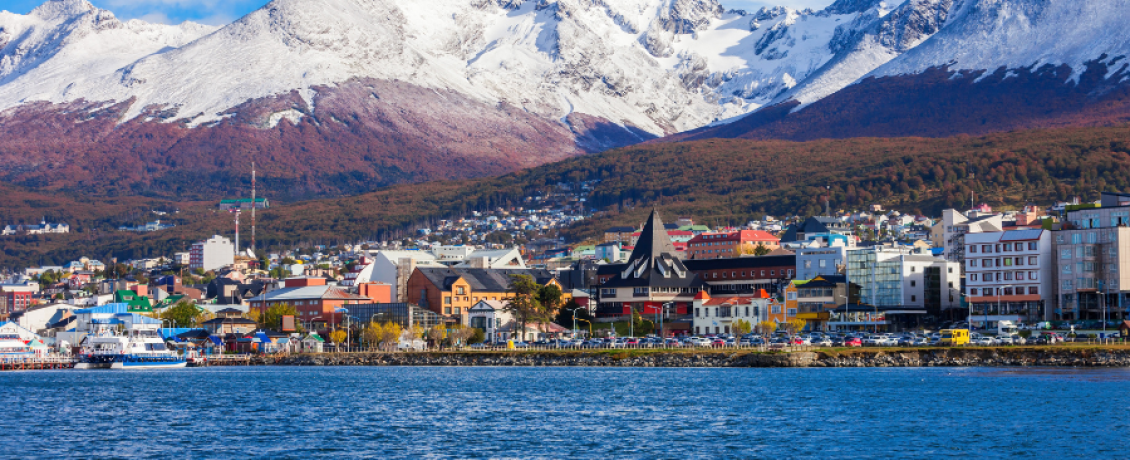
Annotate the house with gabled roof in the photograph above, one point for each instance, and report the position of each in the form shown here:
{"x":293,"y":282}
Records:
{"x":314,"y":301}
{"x":453,"y":291}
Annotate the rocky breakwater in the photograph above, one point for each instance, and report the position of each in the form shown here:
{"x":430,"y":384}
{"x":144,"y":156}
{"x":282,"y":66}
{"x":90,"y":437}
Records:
{"x":968,"y":357}
{"x":943,"y":357}
{"x":548,"y":359}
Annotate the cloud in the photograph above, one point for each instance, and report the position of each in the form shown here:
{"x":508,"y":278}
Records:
{"x":213,"y":12}
{"x":754,"y":5}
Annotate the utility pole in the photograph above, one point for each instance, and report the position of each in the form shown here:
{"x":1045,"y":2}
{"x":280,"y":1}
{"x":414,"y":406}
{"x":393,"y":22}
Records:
{"x":254,"y":204}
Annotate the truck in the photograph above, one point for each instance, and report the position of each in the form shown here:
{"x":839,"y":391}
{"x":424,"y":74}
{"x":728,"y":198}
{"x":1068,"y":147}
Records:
{"x":1006,"y":329}
{"x":954,"y":337}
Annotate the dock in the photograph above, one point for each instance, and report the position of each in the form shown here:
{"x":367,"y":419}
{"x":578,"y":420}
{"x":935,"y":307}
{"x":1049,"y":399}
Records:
{"x":36,"y":363}
{"x":220,"y":360}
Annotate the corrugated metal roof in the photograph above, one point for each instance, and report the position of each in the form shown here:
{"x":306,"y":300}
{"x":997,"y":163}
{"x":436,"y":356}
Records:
{"x":110,"y":308}
{"x":1022,"y":235}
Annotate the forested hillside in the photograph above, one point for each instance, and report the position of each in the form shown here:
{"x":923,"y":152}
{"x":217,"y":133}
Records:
{"x":715,"y":181}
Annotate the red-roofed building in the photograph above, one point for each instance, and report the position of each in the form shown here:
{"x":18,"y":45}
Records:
{"x":729,"y":244}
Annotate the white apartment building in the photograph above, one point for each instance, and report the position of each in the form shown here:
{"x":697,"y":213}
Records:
{"x":957,"y":225}
{"x":1009,"y":276}
{"x":903,"y":276}
{"x":212,"y":254}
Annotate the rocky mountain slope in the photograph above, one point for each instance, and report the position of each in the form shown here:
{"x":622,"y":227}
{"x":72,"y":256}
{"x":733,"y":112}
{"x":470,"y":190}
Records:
{"x":340,"y":96}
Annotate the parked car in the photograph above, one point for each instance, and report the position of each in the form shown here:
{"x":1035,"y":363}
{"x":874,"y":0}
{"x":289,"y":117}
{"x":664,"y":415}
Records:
{"x":984,"y":341}
{"x":853,"y":342}
{"x":823,"y":342}
{"x":1004,"y":340}
{"x":700,"y":342}
{"x":718,"y":343}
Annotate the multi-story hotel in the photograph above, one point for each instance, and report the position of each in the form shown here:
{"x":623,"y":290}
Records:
{"x":1009,"y":276}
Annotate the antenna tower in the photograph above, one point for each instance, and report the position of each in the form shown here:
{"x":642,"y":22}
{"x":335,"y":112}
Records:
{"x":254,"y":205}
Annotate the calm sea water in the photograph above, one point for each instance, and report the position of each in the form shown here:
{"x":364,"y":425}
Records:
{"x":351,"y":412}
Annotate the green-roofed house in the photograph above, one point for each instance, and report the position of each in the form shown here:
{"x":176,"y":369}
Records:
{"x":312,"y":343}
{"x":137,"y":303}
{"x":243,"y":204}
{"x":696,"y":229}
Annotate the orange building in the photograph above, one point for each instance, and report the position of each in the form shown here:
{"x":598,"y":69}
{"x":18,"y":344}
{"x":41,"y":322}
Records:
{"x":452,"y":292}
{"x":718,"y":245}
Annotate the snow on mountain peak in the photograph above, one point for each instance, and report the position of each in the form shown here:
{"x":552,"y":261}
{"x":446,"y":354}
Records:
{"x":56,"y":9}
{"x":658,"y":65}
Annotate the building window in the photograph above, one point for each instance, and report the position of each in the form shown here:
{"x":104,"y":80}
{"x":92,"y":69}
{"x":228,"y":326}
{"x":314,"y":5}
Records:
{"x":697,"y":312}
{"x":460,"y":290}
{"x":458,"y":310}
{"x":987,"y":249}
{"x":973,"y":277}
{"x":776,"y":309}
{"x":1033,"y":246}
{"x":913,"y":283}
{"x":792,"y":312}
{"x":913,"y":298}
{"x":972,"y":249}
{"x":1032,"y":260}
{"x":1019,"y":246}
{"x":823,"y":263}
{"x":808,"y":264}
{"x":447,"y":310}
{"x":986,"y":292}
{"x":1033,"y":290}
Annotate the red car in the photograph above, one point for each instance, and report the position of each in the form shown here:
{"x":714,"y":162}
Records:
{"x":853,"y":342}
{"x":718,"y":343}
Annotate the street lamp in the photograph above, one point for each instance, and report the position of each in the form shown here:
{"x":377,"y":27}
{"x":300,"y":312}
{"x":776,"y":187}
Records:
{"x":346,"y":311}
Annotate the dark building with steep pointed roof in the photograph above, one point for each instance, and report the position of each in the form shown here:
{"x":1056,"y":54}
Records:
{"x":653,"y":276}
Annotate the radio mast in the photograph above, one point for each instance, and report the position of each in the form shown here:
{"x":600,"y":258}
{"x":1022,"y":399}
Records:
{"x":254,"y":204}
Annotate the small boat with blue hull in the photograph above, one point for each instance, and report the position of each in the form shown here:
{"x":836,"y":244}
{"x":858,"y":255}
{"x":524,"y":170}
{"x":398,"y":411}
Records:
{"x":141,"y":351}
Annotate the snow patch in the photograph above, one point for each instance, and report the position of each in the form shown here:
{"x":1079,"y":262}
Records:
{"x":291,"y":115}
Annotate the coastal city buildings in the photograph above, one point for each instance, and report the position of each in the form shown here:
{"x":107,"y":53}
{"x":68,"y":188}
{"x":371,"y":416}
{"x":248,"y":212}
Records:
{"x":211,"y":254}
{"x":1093,"y":258}
{"x":1009,"y":275}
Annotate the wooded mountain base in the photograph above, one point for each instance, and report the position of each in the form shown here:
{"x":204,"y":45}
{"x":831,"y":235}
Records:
{"x":715,"y":181}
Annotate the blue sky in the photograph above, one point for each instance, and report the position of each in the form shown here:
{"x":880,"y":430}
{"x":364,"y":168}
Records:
{"x":218,"y":12}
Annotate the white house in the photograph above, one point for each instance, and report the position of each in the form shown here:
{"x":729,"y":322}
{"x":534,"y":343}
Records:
{"x":718,"y":315}
{"x":490,"y":316}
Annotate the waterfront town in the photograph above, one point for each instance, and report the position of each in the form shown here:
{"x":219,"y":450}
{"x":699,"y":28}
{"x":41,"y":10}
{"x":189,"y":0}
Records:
{"x":876,"y":277}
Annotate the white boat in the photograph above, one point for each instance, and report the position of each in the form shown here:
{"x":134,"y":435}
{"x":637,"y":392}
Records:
{"x":142,"y":351}
{"x":13,"y":347}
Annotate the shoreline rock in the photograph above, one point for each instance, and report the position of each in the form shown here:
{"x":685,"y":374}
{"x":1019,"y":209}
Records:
{"x":933,"y":357}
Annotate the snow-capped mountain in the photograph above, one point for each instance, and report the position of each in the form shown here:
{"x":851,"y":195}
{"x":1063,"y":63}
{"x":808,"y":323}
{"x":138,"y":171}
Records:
{"x":506,"y":83}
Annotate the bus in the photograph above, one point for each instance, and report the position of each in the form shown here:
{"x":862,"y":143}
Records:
{"x":955,"y":337}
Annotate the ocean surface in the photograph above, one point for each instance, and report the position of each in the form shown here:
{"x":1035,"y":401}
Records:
{"x":482,"y":412}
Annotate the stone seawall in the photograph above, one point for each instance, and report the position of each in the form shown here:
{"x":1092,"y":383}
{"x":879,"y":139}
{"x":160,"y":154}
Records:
{"x":1060,"y":357}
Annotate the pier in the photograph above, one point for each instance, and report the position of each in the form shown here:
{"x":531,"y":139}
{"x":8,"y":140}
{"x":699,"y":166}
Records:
{"x":36,"y":363}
